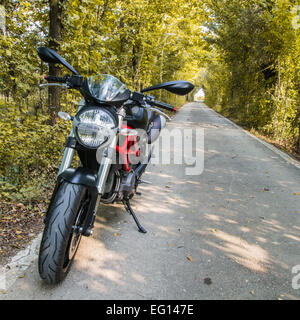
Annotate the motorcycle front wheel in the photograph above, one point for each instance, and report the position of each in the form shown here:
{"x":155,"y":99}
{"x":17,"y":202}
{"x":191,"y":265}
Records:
{"x":61,"y":236}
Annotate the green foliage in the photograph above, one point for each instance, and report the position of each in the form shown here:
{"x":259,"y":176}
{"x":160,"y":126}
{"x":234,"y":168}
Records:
{"x":253,"y":76}
{"x":28,"y":144}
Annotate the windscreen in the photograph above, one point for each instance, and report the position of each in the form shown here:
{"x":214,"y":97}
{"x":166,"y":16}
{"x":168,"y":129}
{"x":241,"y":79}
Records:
{"x":105,"y":87}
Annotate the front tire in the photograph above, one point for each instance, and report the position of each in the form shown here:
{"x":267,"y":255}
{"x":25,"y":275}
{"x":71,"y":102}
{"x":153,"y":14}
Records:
{"x":61,"y":236}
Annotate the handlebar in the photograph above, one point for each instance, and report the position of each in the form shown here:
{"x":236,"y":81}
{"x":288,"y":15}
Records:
{"x":55,"y":79}
{"x":75,"y":82}
{"x":141,"y":99}
{"x":72,"y":82}
{"x":163,"y":105}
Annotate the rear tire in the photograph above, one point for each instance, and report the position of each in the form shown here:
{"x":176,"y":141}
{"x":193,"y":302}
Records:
{"x":61,"y":235}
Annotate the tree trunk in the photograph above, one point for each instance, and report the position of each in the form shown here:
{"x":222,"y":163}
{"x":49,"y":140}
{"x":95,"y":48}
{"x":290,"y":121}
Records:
{"x":278,"y":87}
{"x":55,"y":38}
{"x":285,"y":109}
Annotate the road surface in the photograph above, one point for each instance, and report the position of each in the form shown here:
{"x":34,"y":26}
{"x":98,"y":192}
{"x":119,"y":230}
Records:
{"x":232,"y":232}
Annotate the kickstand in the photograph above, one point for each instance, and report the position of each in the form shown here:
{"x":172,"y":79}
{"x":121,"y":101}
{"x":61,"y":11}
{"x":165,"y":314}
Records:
{"x":130,"y":211}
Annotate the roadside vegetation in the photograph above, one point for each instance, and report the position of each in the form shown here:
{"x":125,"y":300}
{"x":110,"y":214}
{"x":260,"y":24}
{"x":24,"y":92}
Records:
{"x":253,"y":76}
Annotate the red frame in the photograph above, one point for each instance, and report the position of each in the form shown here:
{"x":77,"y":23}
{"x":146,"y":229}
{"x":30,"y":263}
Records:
{"x":129,"y":146}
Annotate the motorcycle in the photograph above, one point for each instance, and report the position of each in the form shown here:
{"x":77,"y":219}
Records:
{"x":113,"y":155}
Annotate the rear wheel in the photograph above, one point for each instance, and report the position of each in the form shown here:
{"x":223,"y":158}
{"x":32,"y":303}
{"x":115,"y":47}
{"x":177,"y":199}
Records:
{"x":62,"y":235}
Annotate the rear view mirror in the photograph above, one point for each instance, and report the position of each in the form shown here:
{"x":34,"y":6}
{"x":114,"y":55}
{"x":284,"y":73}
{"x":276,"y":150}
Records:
{"x":178,"y":87}
{"x":50,"y":56}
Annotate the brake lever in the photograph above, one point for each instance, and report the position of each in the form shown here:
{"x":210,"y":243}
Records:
{"x":147,"y":106}
{"x":54,"y":84}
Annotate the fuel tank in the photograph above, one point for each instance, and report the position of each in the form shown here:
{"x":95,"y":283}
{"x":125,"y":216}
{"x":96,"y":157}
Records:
{"x":136,"y":117}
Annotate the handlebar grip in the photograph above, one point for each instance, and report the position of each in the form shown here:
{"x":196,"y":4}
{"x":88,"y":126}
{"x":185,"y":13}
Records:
{"x":55,"y":79}
{"x":164,"y":105}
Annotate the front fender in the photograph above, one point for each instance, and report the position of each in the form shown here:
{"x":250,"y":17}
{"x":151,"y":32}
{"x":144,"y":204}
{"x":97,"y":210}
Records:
{"x":79,"y":175}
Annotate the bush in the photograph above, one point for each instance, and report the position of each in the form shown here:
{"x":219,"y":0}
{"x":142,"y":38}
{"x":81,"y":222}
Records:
{"x":29,"y":146}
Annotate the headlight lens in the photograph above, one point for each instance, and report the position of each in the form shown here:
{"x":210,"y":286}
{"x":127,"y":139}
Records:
{"x":93,"y":127}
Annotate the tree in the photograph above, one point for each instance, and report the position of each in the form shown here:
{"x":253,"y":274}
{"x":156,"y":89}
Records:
{"x":55,"y":39}
{"x":254,"y":75}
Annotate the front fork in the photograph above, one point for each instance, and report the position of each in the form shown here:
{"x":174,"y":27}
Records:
{"x":102,"y":175}
{"x":104,"y":168}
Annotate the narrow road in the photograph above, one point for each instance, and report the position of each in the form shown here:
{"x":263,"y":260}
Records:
{"x":232,"y":232}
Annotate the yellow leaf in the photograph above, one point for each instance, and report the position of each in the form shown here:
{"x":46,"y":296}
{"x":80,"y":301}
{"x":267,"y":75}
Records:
{"x":190,"y":258}
{"x":214,"y":230}
{"x":116,"y":234}
{"x":3,"y":291}
{"x":21,"y":276}
{"x":297,"y":193}
{"x":252,"y":292}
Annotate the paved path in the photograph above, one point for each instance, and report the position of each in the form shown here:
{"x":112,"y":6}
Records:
{"x":238,"y":222}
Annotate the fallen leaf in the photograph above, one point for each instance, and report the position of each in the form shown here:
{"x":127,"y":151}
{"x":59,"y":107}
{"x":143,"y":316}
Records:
{"x":116,"y":234}
{"x":252,"y":292}
{"x":190,"y":258}
{"x":21,"y":276}
{"x":296,"y":193}
{"x":208,"y":281}
{"x":3,"y":291}
{"x":213,"y":230}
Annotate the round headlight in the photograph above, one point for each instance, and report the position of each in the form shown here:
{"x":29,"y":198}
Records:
{"x":93,"y":127}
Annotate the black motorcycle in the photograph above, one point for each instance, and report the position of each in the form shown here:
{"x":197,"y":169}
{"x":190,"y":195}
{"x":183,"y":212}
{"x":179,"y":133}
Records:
{"x":111,"y":133}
